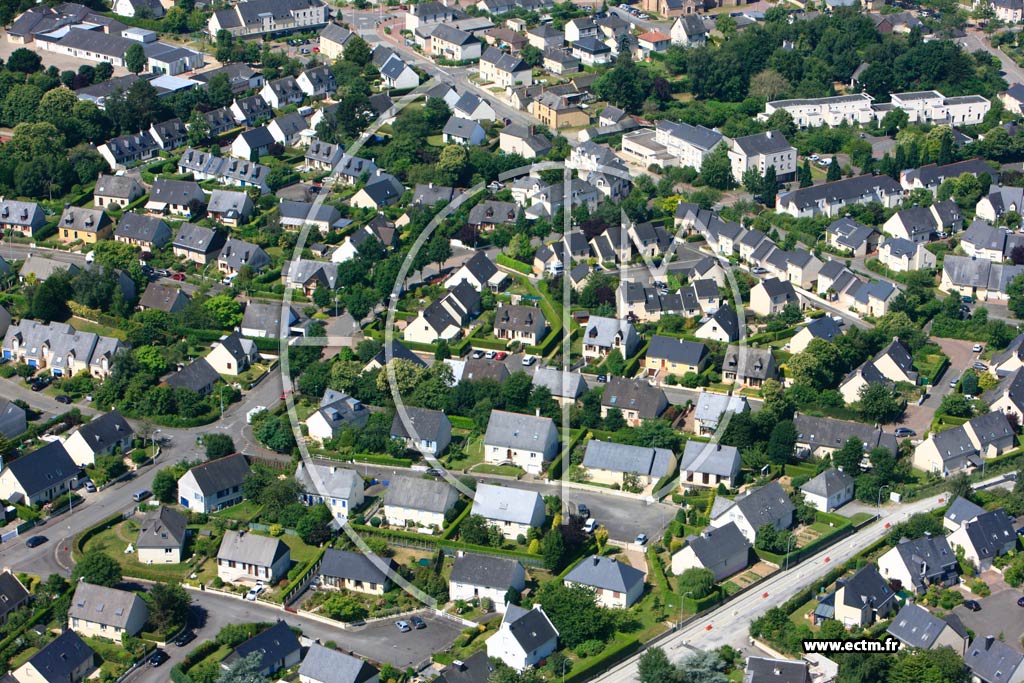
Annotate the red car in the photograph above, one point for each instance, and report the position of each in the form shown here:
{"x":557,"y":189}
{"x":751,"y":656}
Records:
{"x":501,"y":355}
{"x":178,"y":277}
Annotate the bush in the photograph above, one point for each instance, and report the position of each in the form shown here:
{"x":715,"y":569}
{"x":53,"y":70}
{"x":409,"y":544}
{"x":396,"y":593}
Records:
{"x":276,"y":530}
{"x":589,"y":648}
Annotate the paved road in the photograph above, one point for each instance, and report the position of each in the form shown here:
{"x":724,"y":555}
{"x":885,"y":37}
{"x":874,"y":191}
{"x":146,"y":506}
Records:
{"x":729,"y":624}
{"x":380,"y":642}
{"x":975,"y":40}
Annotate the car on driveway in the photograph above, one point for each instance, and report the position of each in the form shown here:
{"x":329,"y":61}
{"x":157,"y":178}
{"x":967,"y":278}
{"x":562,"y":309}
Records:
{"x":602,"y":378}
{"x":36,"y":541}
{"x":904,"y":432}
{"x":185,"y":638}
{"x":529,"y":360}
{"x":158,"y":658}
{"x":977,"y":348}
{"x":641,"y":539}
{"x":491,"y":355}
{"x":90,"y":486}
{"x":501,"y":355}
{"x":478,"y":354}
{"x":583,"y":510}
{"x":418,"y":623}
{"x":254,"y":592}
{"x":178,"y":277}
{"x":1020,"y":602}
{"x":403,"y":626}
{"x":972,"y":605}
{"x":967,"y":299}
{"x":980,"y":366}
{"x":953,"y":382}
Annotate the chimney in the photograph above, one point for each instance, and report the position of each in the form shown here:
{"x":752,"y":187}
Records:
{"x":989,"y":640}
{"x":769,"y":134}
{"x":598,"y":559}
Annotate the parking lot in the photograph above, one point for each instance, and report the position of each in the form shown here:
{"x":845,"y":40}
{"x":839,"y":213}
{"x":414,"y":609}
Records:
{"x":61,"y":61}
{"x":999,"y":616}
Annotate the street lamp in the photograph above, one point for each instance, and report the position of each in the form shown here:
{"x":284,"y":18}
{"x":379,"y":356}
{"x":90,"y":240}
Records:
{"x":564,"y":662}
{"x":878,"y":501}
{"x":789,"y":544}
{"x":682,"y":604}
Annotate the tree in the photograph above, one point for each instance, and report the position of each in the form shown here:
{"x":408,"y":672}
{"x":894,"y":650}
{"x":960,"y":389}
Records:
{"x":938,"y":665}
{"x":878,"y":403}
{"x":806,"y":179}
{"x":218,"y":445}
{"x":781,"y":442}
{"x":769,"y":84}
{"x":315,"y":526}
{"x":135,"y":58}
{"x":716,"y":169}
{"x":357,"y":51}
{"x":625,"y":85}
{"x":225,"y":310}
{"x":198,"y":128}
{"x":25,"y":61}
{"x":168,"y":606}
{"x":655,"y":667}
{"x":697,"y":581}
{"x":98,"y":568}
{"x":553,"y":550}
{"x":248,"y":669}
{"x":165,"y":486}
{"x":573,"y":610}
{"x":834,"y":172}
{"x":773,"y":540}
{"x":531,"y":55}
{"x":343,"y":607}
{"x":475,"y":530}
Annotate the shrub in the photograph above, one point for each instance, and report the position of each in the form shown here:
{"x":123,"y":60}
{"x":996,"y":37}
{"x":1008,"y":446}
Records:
{"x":589,"y":648}
{"x":217,"y":582}
{"x":276,"y":530}
{"x":375,"y":522}
{"x":520,"y":539}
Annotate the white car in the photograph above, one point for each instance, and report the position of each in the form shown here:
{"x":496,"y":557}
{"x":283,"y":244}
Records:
{"x":977,"y":348}
{"x":590,"y":526}
{"x":490,"y":355}
{"x":529,"y":360}
{"x":255,"y":591}
{"x":814,"y":157}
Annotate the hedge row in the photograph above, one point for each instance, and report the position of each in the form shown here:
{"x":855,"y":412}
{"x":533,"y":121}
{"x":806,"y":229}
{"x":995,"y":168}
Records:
{"x":611,"y":655}
{"x":448,"y":545}
{"x":555,"y":468}
{"x":509,"y":262}
{"x":372,"y":459}
{"x":633,"y":364}
{"x":293,"y":585}
{"x":454,"y":526}
{"x":460,"y":422}
{"x":708,"y":601}
{"x":87,"y":535}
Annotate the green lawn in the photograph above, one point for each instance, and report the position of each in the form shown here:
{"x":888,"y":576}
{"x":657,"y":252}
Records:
{"x":83,"y":325}
{"x":472,"y":454}
{"x":300,"y":551}
{"x":246,"y":511}
{"x":115,"y":540}
{"x":505,"y":470}
{"x":860,"y":517}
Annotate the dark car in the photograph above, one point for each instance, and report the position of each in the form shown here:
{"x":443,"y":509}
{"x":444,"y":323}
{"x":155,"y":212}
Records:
{"x":158,"y":658}
{"x":1020,"y":602}
{"x":185,"y":638}
{"x":583,"y":510}
{"x":41,"y":383}
{"x":64,"y":398}
{"x":967,"y":299}
{"x":980,"y":366}
{"x":478,"y":354}
{"x":905,"y":431}
{"x":418,"y":623}
{"x":972,"y":605}
{"x":434,"y":472}
{"x":36,"y":541}
{"x":602,"y":378}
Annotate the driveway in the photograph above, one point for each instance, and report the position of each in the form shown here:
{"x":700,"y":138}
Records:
{"x":999,"y":616}
{"x":919,"y":417}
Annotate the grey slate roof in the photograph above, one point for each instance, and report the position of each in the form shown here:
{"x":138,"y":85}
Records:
{"x":12,"y":593}
{"x":345,"y":564}
{"x":476,"y":669}
{"x":698,"y":136}
{"x":428,"y":495}
{"x":102,"y":605}
{"x":771,"y":142}
{"x":617,"y":457}
{"x":326,"y":665}
{"x":560,"y":384}
{"x":991,"y":660}
{"x":198,"y":376}
{"x":764,"y":670}
{"x":916,"y":627}
{"x":241,"y":546}
{"x":328,"y":480}
{"x":516,"y":430}
{"x":715,"y":545}
{"x":605,"y":572}
{"x":530,"y":628}
{"x":43,"y":468}
{"x":62,"y":657}
{"x":196,"y":238}
{"x":104,"y":431}
{"x":426,"y":422}
{"x":749,"y":362}
{"x":710,"y":458}
{"x":990,"y":532}
{"x":962,"y":510}
{"x":275,"y":643}
{"x":634,"y":394}
{"x":506,"y":503}
{"x":162,"y":528}
{"x":484,"y":570}
{"x":764,"y":505}
{"x":237,"y":253}
{"x":136,"y":226}
{"x":117,"y":186}
{"x":460,"y":128}
{"x":824,"y":328}
{"x":926,"y":559}
{"x":222,"y":473}
{"x":867,"y":588}
{"x":828,"y":483}
{"x":711,"y":407}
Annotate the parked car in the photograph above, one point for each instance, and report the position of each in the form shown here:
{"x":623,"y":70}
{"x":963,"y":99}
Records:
{"x":602,"y":378}
{"x":418,"y":623}
{"x":589,"y":526}
{"x":255,"y":591}
{"x":905,"y":432}
{"x":36,"y":541}
{"x":583,"y":511}
{"x":142,"y":495}
{"x":758,"y":270}
{"x":185,"y":638}
{"x":972,"y":605}
{"x":90,"y":486}
{"x":491,"y":355}
{"x":478,"y":354}
{"x":403,"y":626}
{"x":967,"y":299}
{"x":977,"y":348}
{"x":63,"y":398}
{"x":980,"y":366}
{"x":178,"y":277}
{"x":158,"y":658}
{"x":641,"y":539}
{"x":434,"y":472}
{"x":953,"y":382}
{"x":529,"y":360}
{"x":1020,"y":602}
{"x":501,"y":355}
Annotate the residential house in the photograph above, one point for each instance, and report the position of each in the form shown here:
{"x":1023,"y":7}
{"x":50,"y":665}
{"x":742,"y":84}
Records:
{"x":339,"y":488}
{"x":333,"y":38}
{"x":356,"y":572}
{"x":771,"y":295}
{"x":115,"y":190}
{"x":900,"y":255}
{"x":545,"y":37}
{"x":198,"y":376}
{"x":829,"y":490}
{"x":338,"y":411}
{"x":485,"y":576}
{"x":327,"y":665}
{"x":858,"y":239}
{"x":106,"y":434}
{"x":754,"y":509}
{"x":129,"y":149}
{"x":929,"y":177}
{"x":758,"y":152}
{"x":524,"y":638}
{"x":671,"y":357}
{"x":748,"y":366}
{"x":381,"y":190}
{"x":615,"y":584}
{"x":514,"y":511}
{"x":591,"y":51}
{"x":709,"y":465}
{"x":233,"y":354}
{"x":66,"y":659}
{"x":289,"y":130}
{"x":824,"y":328}
{"x":162,"y":536}
{"x":454,"y":45}
{"x":863,"y":598}
{"x":961,"y":510}
{"x":722,"y":326}
{"x":558,"y":111}
{"x":473,"y":108}
{"x":604,"y":335}
{"x":237,"y":254}
{"x":980,"y":279}
{"x":490,"y":214}
{"x":297,"y":214}
{"x":246,"y":557}
{"x":83,"y":225}
{"x":985,"y":538}
{"x":831,"y":199}
{"x":616,"y":464}
{"x":230,"y":208}
{"x":183,"y":198}
{"x":41,"y":476}
{"x":317,"y":82}
{"x":418,"y":502}
{"x":516,"y":139}
{"x":999,"y":201}
{"x":257,"y":17}
{"x":993,"y":661}
{"x":169,"y":134}
{"x":26,"y":218}
{"x":765,"y":670}
{"x":634,"y":398}
{"x":281,"y":92}
{"x":920,"y":563}
{"x":914,"y":626}
{"x":459,"y":131}
{"x":398,"y":75}
{"x":423,"y":430}
{"x":101,"y":612}
{"x":965,"y":446}
{"x":13,"y":422}
{"x":13,"y":594}
{"x":722,"y":551}
{"x":323,"y":156}
{"x":984,"y":241}
{"x":689,"y":31}
{"x":503,"y":69}
{"x":565,"y":387}
{"x":525,"y":324}
{"x":820,"y":437}
{"x":147,"y":232}
{"x":526,"y":441}
{"x":277,"y":646}
{"x":214,"y":485}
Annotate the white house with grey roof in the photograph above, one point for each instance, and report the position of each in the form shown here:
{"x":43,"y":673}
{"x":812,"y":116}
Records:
{"x":477,"y":576}
{"x":565,"y":387}
{"x":105,"y":434}
{"x":427,"y":431}
{"x":98,"y":611}
{"x":514,"y":511}
{"x":759,"y":151}
{"x":920,"y":563}
{"x":829,"y":490}
{"x":615,"y":584}
{"x":610,"y":463}
{"x":214,"y":485}
{"x":852,"y":236}
{"x":337,"y":411}
{"x":25,"y":218}
{"x":993,"y":661}
{"x":524,"y":639}
{"x":248,"y":557}
{"x":148,"y":232}
{"x":708,"y":465}
{"x":327,"y":665}
{"x":712,"y":408}
{"x":339,"y":488}
{"x":526,"y":441}
{"x":460,"y":131}
{"x":753,"y":509}
{"x":824,"y":328}
{"x":985,"y":538}
{"x":765,"y":670}
{"x":722,"y":551}
{"x":831,"y":199}
{"x":162,"y":536}
{"x":116,"y":190}
{"x":960,"y":511}
{"x":603,"y":335}
{"x":355,"y":571}
{"x":409,"y":501}
{"x":914,"y":626}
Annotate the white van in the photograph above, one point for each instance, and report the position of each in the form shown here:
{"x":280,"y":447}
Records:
{"x":590,"y":526}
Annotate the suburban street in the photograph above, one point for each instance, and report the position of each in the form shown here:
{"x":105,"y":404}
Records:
{"x":729,"y":624}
